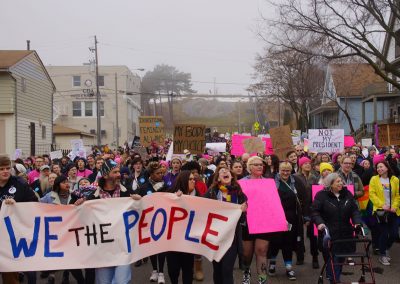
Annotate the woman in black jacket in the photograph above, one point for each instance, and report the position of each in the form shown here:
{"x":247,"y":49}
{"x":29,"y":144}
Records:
{"x":225,"y":188}
{"x":333,"y":208}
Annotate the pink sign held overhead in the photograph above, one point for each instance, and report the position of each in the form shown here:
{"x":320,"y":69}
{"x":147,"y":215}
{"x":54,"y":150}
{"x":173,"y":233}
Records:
{"x":261,"y":194}
{"x":237,"y":147}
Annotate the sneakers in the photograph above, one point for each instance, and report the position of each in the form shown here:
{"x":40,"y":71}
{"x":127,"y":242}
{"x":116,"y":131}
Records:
{"x":272,"y":270}
{"x":388,"y":256}
{"x":350,"y":261}
{"x":291,"y":275}
{"x":154,"y":276}
{"x":261,"y":280}
{"x":246,"y":277}
{"x":384,"y":260}
{"x":161,"y":279}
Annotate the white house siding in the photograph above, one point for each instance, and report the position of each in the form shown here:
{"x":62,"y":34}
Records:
{"x":7,"y":134}
{"x":64,"y":141}
{"x":33,"y":105}
{"x":7,"y":93}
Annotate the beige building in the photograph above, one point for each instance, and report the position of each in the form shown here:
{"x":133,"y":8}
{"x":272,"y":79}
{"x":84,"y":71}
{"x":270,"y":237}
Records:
{"x":26,"y":92}
{"x":75,"y":101}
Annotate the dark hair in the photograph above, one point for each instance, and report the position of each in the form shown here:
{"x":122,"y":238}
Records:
{"x":5,"y":161}
{"x":152,"y":167}
{"x":290,"y":153}
{"x":57,"y":181}
{"x":136,"y":160}
{"x":216,"y":174}
{"x":19,"y":161}
{"x":275,"y":165}
{"x":191,"y":165}
{"x":182,"y":182}
{"x":390,"y":172}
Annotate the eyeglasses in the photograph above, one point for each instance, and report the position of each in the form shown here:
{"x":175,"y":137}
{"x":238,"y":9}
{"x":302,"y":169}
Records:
{"x":191,"y":178}
{"x":257,"y":165}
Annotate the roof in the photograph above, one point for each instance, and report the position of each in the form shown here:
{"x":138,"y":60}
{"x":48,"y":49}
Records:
{"x":350,"y":79}
{"x":62,"y":130}
{"x":9,"y":58}
{"x":330,"y":106}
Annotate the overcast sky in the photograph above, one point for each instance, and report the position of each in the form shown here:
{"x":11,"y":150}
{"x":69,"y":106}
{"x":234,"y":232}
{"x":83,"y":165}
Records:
{"x":207,"y":38}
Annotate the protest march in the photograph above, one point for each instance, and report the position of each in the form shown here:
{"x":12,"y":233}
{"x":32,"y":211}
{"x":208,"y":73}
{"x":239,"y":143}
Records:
{"x":180,"y":202}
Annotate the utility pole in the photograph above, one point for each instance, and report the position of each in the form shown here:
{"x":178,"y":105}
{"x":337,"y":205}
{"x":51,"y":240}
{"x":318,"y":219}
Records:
{"x":97,"y":95}
{"x":116,"y":111}
{"x":239,"y":117}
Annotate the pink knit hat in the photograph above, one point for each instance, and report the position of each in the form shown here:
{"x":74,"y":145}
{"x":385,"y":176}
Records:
{"x":378,"y":158}
{"x":303,"y":160}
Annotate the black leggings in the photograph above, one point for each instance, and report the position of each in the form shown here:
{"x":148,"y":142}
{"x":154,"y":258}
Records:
{"x":157,"y":261}
{"x":223,"y":270}
{"x":177,"y":261}
{"x":282,"y":241}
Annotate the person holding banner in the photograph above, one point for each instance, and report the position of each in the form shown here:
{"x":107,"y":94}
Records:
{"x":177,"y":261}
{"x":225,"y":188}
{"x":13,"y":189}
{"x":169,"y":178}
{"x":154,"y":184}
{"x":255,"y":243}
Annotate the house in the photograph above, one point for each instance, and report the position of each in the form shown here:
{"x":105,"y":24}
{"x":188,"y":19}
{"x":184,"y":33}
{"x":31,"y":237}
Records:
{"x":26,"y":103}
{"x":345,"y":88}
{"x":62,"y":137}
{"x":75,"y":103}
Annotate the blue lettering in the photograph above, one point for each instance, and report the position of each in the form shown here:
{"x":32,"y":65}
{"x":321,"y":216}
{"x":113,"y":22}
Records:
{"x":129,"y":226}
{"x":153,"y":221}
{"x":189,"y":227}
{"x":22,"y":244}
{"x":48,"y":237}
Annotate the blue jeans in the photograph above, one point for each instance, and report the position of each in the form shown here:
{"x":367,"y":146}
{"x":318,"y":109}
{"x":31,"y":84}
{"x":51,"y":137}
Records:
{"x":337,"y":268}
{"x":114,"y":275}
{"x":387,"y":233}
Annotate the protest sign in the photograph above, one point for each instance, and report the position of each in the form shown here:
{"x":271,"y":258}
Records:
{"x":238,"y":149}
{"x":17,"y":154}
{"x":282,"y":141}
{"x":388,"y":134}
{"x":189,"y":136}
{"x":170,"y":152}
{"x":254,"y":145}
{"x":141,"y":151}
{"x":261,"y":194}
{"x":326,"y":140}
{"x":151,"y":129}
{"x":349,"y":141}
{"x":76,"y":144}
{"x":216,"y":147}
{"x":56,"y":155}
{"x":317,"y":188}
{"x":112,"y":232}
{"x":366,"y":142}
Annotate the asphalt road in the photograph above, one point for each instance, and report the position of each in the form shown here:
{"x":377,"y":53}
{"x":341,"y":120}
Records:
{"x":305,"y":273}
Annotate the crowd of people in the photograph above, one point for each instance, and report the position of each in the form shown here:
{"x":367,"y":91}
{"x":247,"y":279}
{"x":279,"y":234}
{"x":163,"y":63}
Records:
{"x":373,"y":203}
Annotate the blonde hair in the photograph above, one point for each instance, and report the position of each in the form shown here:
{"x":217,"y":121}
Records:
{"x":285,"y":166}
{"x":251,"y":160}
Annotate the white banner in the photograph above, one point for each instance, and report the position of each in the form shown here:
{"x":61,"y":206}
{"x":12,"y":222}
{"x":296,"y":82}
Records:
{"x":326,"y":140}
{"x":366,"y":142}
{"x":112,"y":232}
{"x":56,"y":155}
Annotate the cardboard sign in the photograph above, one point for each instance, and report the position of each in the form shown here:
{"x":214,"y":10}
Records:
{"x":326,"y":140}
{"x":237,"y":146}
{"x":281,"y":141}
{"x":56,"y":155}
{"x":389,"y":134}
{"x":366,"y":142}
{"x":113,"y":231}
{"x":261,"y":194}
{"x":141,"y":151}
{"x":254,"y":145}
{"x":191,"y":137}
{"x":151,"y":129}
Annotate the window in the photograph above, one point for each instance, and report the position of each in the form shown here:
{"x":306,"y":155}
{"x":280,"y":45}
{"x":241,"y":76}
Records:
{"x":43,"y":132}
{"x":101,"y":81}
{"x":76,"y":81}
{"x":88,"y":108}
{"x":76,"y":109}
{"x":23,"y":85}
{"x":101,"y":108}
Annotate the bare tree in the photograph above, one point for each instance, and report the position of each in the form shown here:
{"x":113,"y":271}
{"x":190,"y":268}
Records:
{"x":291,"y":77}
{"x":338,"y":29}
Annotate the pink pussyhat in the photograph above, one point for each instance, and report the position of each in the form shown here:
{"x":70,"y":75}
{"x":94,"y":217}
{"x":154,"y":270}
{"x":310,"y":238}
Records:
{"x":117,"y":160}
{"x":378,"y":158}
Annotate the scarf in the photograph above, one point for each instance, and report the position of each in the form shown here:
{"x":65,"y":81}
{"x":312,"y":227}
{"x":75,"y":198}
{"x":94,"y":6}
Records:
{"x":227,"y":193}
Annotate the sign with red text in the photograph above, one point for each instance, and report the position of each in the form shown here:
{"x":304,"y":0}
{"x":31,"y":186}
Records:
{"x":326,"y":140}
{"x":112,"y":232}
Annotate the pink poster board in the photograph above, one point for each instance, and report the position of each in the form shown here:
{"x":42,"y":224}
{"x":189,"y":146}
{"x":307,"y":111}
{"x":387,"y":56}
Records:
{"x":237,"y":147}
{"x":317,"y":188}
{"x":262,"y":194}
